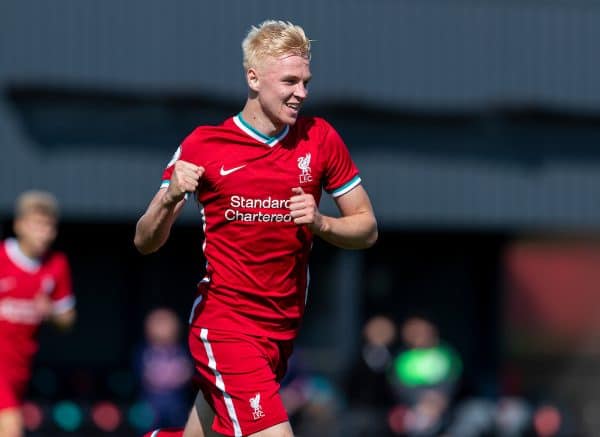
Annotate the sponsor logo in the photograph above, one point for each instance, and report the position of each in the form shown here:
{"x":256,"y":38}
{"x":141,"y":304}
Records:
{"x":304,"y":166}
{"x":21,"y":311}
{"x":257,"y":411}
{"x":224,"y":172}
{"x":270,"y":210}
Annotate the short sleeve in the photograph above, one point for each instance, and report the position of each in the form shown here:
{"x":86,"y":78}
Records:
{"x":341,"y":174}
{"x":181,"y":153}
{"x":61,"y":294}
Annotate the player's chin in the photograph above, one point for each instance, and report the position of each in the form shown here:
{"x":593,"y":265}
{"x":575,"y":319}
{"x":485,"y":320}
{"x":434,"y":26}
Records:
{"x":290,"y":115}
{"x":290,"y":119}
{"x":39,"y":249}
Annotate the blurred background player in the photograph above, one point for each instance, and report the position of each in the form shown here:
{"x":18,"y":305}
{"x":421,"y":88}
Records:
{"x":165,"y":369}
{"x":259,"y":177}
{"x":35,"y":286}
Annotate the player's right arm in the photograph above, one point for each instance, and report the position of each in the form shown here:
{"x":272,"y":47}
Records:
{"x":153,"y":228}
{"x":64,"y":321}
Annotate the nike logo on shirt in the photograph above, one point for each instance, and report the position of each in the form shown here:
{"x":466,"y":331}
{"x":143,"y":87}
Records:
{"x":224,"y":172}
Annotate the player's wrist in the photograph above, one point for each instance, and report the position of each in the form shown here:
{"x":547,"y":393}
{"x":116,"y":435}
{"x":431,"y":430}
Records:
{"x":322,"y":225}
{"x":169,"y":200}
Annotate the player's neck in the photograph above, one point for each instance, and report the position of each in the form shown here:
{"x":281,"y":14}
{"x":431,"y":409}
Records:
{"x":28,"y":251}
{"x":23,"y":251}
{"x":257,"y":119}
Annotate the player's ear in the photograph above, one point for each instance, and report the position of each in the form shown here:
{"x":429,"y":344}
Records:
{"x":252,"y":79}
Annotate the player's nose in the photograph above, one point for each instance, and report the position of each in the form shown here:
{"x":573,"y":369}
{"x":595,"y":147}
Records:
{"x":301,"y":91}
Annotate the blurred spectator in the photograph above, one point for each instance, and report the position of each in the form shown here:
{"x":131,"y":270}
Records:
{"x":165,"y":369}
{"x":312,"y":400}
{"x":424,"y":375}
{"x":368,"y":383}
{"x":368,"y":389}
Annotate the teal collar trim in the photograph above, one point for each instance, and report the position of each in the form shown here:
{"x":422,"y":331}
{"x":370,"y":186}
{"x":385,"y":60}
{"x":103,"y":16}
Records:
{"x":259,"y":136}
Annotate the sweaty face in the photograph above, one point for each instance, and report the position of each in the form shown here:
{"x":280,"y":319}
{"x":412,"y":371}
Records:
{"x":282,"y":88}
{"x":35,"y":232}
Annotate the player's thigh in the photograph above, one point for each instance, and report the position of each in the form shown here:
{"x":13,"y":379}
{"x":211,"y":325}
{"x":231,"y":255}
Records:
{"x":11,"y":422}
{"x":11,"y":419}
{"x":280,"y":430}
{"x":193,"y":426}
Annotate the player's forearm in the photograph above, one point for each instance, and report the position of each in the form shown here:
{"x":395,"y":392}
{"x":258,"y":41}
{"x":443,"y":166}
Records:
{"x":64,"y":321}
{"x":357,"y":231}
{"x":152,"y":231}
{"x":153,"y":228}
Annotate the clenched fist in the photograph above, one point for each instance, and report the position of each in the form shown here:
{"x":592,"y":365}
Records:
{"x":304,"y":210}
{"x":185,"y":179}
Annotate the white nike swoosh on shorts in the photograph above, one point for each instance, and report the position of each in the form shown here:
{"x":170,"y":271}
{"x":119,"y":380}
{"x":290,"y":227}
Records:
{"x":224,"y":172}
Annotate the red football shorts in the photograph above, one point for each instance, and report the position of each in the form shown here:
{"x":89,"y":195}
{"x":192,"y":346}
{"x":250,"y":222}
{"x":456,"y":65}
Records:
{"x":239,"y":377}
{"x":11,"y":392}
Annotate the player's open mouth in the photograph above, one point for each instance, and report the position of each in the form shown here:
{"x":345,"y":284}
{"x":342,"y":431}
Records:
{"x":294,"y":106}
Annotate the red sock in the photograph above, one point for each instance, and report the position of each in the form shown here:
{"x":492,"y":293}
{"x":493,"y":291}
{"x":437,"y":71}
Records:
{"x":165,"y":432}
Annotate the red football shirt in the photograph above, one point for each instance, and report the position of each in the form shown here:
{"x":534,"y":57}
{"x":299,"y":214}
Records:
{"x":21,"y":280}
{"x":257,"y":258}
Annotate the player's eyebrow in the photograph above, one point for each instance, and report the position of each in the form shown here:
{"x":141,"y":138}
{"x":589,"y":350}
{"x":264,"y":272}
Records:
{"x":291,"y":77}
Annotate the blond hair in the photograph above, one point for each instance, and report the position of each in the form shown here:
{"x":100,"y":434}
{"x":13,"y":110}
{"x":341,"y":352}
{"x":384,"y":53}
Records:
{"x":33,"y":201}
{"x":274,"y":38}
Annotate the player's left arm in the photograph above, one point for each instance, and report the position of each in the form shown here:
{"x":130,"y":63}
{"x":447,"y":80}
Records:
{"x":61,"y":300}
{"x":356,"y":228}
